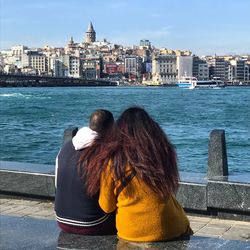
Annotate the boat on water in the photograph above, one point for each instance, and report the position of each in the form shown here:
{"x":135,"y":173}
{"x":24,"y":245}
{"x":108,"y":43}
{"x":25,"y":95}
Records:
{"x":193,"y":83}
{"x":187,"y":82}
{"x":210,"y":84}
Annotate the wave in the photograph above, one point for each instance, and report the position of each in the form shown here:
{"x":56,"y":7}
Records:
{"x":14,"y":95}
{"x":19,"y":95}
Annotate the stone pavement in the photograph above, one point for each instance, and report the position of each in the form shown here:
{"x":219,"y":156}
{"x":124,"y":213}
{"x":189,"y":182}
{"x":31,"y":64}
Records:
{"x":202,"y":226}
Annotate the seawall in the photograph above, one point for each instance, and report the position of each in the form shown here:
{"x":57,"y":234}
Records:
{"x":10,"y":80}
{"x":216,"y":193}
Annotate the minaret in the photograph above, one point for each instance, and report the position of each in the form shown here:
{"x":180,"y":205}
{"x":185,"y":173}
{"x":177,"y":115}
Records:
{"x":71,"y":42}
{"x":90,"y":34}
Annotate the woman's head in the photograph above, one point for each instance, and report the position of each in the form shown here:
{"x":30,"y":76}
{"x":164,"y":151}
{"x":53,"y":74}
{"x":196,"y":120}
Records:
{"x":135,"y":122}
{"x":144,"y":146}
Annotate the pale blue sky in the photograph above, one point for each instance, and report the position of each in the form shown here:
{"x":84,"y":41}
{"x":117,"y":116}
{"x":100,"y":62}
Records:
{"x":202,"y":26}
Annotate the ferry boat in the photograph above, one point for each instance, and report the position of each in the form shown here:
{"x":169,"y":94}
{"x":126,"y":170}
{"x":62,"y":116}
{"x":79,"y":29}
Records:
{"x":193,"y":83}
{"x":211,"y":84}
{"x":187,"y":82}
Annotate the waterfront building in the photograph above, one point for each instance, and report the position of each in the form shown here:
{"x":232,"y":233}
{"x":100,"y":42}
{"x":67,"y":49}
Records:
{"x":90,"y":35}
{"x":10,"y":69}
{"x":247,"y":72}
{"x":184,"y":66}
{"x":92,"y":67}
{"x":203,"y":71}
{"x":218,"y":67}
{"x":74,"y":66}
{"x":29,"y":71}
{"x":57,"y":67}
{"x":164,"y":69}
{"x":67,"y":65}
{"x":12,"y":58}
{"x":200,"y":68}
{"x":239,"y":70}
{"x":131,"y":66}
{"x":35,"y":60}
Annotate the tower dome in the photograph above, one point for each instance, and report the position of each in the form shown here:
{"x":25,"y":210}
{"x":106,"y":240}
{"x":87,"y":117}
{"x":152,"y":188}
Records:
{"x":90,"y":34}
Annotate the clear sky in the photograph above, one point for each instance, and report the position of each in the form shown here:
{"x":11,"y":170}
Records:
{"x":202,"y":26}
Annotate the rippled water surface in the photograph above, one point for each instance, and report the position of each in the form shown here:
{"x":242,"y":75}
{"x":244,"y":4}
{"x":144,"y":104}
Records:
{"x":33,"y":119}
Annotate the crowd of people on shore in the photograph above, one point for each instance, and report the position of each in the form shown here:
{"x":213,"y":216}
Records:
{"x":120,"y":177}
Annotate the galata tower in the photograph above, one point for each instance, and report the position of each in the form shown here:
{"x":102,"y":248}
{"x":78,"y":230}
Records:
{"x":90,"y":34}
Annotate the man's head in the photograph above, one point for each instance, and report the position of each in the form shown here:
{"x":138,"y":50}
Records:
{"x":101,"y":120}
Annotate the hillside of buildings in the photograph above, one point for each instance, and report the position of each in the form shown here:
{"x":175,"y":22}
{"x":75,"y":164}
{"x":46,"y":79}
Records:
{"x":141,"y":63}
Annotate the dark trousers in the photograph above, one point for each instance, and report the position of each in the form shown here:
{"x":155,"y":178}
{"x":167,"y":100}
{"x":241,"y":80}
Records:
{"x":105,"y":228}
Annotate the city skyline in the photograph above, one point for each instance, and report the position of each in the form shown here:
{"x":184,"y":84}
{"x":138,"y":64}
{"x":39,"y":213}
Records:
{"x":203,"y":27}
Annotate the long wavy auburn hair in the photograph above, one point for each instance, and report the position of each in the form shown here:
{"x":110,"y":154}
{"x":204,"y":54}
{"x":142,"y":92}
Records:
{"x":139,"y":142}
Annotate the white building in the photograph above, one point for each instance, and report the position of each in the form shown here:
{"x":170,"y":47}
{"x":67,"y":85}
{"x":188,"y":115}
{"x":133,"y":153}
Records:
{"x":74,"y":66}
{"x":184,"y":66}
{"x":12,"y":57}
{"x":18,"y":50}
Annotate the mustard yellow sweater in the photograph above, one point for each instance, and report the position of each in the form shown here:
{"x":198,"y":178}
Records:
{"x":141,"y":215}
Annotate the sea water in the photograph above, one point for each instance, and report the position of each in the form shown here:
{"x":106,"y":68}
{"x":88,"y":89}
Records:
{"x":33,"y":120}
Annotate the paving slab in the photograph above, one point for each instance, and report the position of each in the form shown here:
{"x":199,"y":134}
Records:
{"x":202,"y":226}
{"x":29,"y":233}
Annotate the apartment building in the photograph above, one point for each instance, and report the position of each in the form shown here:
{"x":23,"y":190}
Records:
{"x":132,"y":66}
{"x":218,"y":67}
{"x":164,"y":70}
{"x":239,"y":70}
{"x":92,"y":67}
{"x":36,"y":61}
{"x":200,"y":68}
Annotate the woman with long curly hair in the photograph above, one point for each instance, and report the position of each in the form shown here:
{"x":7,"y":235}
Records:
{"x":140,"y":180}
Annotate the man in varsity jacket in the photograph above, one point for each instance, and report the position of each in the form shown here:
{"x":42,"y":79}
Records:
{"x":76,"y":212}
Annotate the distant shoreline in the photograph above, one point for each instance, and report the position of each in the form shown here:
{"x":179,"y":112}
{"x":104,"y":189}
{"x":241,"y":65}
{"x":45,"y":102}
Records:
{"x":97,"y":85}
{"x":10,"y":80}
{"x":94,"y":84}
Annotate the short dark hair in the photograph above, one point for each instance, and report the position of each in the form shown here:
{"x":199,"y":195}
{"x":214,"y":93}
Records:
{"x":101,"y":120}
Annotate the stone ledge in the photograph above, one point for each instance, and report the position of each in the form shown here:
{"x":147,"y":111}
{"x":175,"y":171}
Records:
{"x":25,"y":183}
{"x":29,"y":233}
{"x":224,"y":198}
{"x":228,"y":195}
{"x":192,"y":196}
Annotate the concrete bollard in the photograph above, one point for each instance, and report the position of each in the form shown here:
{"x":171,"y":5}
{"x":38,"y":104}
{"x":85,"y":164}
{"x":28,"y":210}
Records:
{"x":69,"y":133}
{"x":217,"y":155}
